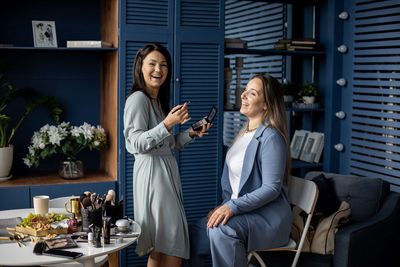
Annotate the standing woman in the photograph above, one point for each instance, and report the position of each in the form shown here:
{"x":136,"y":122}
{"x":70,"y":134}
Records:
{"x":255,"y":213}
{"x":148,"y":123}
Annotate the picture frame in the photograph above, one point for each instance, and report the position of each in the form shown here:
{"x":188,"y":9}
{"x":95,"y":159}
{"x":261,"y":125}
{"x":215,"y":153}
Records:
{"x":297,"y":143}
{"x":44,"y":33}
{"x":311,"y":147}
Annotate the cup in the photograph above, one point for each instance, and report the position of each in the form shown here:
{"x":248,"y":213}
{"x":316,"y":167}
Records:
{"x":41,"y":204}
{"x":74,"y":207}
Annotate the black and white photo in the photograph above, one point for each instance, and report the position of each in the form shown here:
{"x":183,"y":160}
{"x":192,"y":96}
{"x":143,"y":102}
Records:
{"x":44,"y":33}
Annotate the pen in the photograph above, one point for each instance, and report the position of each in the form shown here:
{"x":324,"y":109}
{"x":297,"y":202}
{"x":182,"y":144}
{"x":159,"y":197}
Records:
{"x":180,"y":107}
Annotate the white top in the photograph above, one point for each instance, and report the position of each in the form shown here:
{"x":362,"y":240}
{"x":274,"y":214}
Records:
{"x":234,"y":160}
{"x":12,"y":255}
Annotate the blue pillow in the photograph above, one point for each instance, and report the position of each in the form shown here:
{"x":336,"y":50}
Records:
{"x":327,"y":202}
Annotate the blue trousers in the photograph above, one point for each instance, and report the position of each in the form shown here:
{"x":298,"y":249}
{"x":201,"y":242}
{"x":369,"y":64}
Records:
{"x":226,"y":243}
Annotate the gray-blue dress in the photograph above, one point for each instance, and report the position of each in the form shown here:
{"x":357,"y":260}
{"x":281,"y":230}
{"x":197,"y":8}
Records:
{"x":158,"y":201}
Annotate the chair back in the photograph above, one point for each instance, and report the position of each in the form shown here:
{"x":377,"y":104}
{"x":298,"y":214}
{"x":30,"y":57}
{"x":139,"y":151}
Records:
{"x":303,"y":193}
{"x":60,"y":202}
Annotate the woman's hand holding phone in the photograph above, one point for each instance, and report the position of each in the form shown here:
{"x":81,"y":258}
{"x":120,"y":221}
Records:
{"x":178,"y":114}
{"x":200,"y":133}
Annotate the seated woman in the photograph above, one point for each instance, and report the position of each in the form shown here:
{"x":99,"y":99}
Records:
{"x":255,"y":213}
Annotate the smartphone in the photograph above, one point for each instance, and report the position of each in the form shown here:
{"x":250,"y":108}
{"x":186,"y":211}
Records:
{"x":188,"y":102}
{"x":209,"y":119}
{"x":63,"y":253}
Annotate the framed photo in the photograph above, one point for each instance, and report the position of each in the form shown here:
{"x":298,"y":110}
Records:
{"x":311,"y":147}
{"x":44,"y":33}
{"x":297,"y":143}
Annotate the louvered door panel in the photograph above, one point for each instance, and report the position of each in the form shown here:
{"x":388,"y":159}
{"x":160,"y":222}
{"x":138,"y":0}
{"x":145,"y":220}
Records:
{"x":261,"y":24}
{"x":198,"y":161}
{"x":375,"y":128}
{"x":144,"y":12}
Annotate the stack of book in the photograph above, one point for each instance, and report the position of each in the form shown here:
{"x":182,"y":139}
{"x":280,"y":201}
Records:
{"x":296,"y":44}
{"x":307,"y":146}
{"x":98,"y":44}
{"x":235,"y":43}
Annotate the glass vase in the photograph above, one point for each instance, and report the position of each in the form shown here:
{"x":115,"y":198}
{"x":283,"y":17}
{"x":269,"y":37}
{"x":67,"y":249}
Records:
{"x":71,"y":169}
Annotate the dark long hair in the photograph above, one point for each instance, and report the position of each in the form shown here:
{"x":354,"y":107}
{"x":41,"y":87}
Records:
{"x":138,"y":79}
{"x":275,"y":114}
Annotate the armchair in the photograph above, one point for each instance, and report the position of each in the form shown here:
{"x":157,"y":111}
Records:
{"x":371,"y":238}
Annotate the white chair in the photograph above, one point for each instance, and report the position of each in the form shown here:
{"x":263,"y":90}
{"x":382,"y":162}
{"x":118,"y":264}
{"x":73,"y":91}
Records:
{"x":303,"y":194}
{"x":60,"y":203}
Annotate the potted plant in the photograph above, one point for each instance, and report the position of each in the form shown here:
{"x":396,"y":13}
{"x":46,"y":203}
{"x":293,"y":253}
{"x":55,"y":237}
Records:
{"x":309,"y":92}
{"x":290,"y":90}
{"x":8,"y":125}
{"x":68,"y":141}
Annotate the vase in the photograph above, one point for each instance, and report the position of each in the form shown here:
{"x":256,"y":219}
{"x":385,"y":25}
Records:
{"x":71,"y":169}
{"x":6,"y":160}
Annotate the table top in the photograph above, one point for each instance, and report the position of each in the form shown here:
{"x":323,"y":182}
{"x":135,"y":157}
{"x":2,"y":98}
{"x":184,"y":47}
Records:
{"x":13,"y":255}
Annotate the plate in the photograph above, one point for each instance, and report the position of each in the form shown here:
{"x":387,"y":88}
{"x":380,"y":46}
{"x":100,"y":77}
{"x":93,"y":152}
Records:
{"x":6,"y":178}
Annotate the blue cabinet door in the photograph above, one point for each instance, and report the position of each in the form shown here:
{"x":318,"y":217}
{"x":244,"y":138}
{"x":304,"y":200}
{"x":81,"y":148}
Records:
{"x":14,"y":197}
{"x":192,"y":31}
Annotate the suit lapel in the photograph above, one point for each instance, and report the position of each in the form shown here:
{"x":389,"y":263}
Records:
{"x":250,"y":156}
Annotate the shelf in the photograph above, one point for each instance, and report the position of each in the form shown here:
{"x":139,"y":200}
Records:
{"x":297,"y":164}
{"x":46,"y":178}
{"x":58,"y":48}
{"x":268,"y":52}
{"x":287,"y":109}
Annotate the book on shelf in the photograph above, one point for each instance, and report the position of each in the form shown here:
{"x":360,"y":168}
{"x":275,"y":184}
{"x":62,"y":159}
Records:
{"x":311,"y":147}
{"x":298,"y":141}
{"x":98,"y":44}
{"x":235,"y":43}
{"x":296,"y":43}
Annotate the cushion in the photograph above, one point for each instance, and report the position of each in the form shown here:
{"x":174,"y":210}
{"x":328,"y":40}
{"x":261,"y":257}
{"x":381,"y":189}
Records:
{"x":364,"y":194}
{"x":324,"y":237}
{"x":327,"y":202}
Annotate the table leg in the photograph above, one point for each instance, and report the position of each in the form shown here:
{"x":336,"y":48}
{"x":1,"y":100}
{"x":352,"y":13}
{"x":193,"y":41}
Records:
{"x":113,"y":259}
{"x":87,"y":262}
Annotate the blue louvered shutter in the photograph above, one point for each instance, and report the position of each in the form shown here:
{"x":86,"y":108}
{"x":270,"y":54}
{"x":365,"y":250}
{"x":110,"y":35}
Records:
{"x":261,"y":24}
{"x":374,"y":147}
{"x":192,"y":32}
{"x":141,"y":22}
{"x":199,"y":50}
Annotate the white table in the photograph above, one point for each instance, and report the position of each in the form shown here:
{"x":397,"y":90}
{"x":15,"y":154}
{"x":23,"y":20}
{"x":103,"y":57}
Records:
{"x":13,"y":255}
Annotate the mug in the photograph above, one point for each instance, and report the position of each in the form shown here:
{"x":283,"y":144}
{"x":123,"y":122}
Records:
{"x":75,"y":207}
{"x":41,"y":204}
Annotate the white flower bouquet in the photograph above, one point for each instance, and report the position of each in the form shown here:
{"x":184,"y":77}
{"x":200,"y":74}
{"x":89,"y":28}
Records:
{"x":64,"y":139}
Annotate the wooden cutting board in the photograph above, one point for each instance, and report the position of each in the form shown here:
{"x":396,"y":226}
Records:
{"x":31,"y":231}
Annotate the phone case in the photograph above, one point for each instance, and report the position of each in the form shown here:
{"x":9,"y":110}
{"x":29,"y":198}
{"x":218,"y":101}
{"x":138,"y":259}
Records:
{"x":63,"y":253}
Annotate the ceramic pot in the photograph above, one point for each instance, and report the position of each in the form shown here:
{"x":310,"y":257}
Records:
{"x":288,"y":98}
{"x":309,"y":99}
{"x":6,"y":160}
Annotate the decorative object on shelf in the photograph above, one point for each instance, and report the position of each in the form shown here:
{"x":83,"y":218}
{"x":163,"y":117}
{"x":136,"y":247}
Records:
{"x":290,"y":90}
{"x":227,"y":84}
{"x":339,"y":147}
{"x":296,"y":44}
{"x":313,"y":146}
{"x":71,"y":169}
{"x":235,"y":43}
{"x":342,"y":49}
{"x":341,"y":82}
{"x":238,"y":92}
{"x":343,"y":15}
{"x":32,"y":99}
{"x":305,"y":106}
{"x":309,"y":92}
{"x":67,"y":140}
{"x":44,"y":33}
{"x":340,"y":114}
{"x":95,"y":44}
{"x":297,"y":143}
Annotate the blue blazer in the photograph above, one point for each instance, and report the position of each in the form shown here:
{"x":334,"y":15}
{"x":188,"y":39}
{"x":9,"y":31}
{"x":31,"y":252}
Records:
{"x":263,"y":192}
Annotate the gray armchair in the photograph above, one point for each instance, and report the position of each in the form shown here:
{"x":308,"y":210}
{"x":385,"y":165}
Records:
{"x":371,"y":238}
